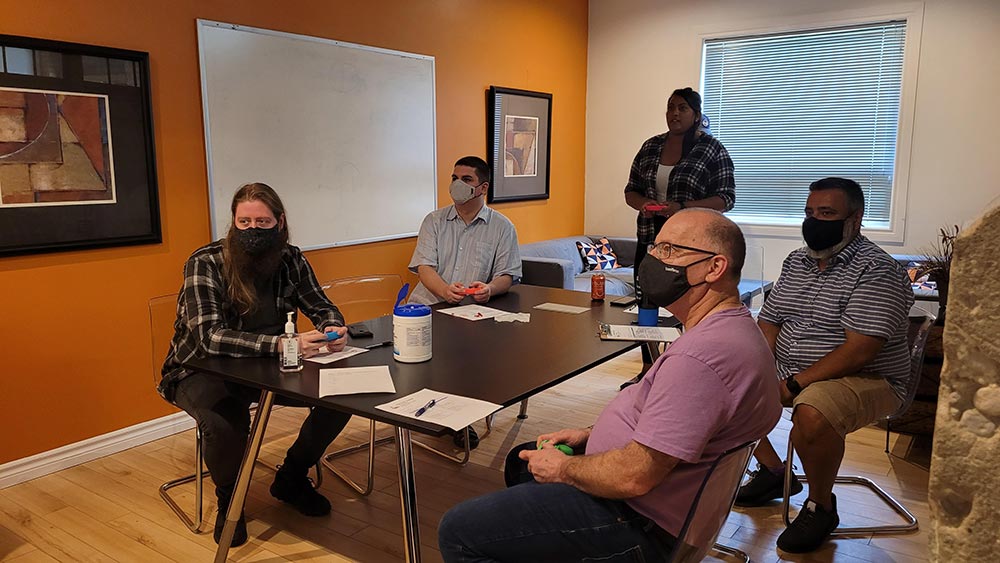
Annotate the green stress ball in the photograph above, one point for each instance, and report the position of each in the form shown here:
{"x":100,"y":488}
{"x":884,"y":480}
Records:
{"x":561,"y":447}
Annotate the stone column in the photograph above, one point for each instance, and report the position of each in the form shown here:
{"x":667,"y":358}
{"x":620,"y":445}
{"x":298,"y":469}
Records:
{"x":965,"y":466}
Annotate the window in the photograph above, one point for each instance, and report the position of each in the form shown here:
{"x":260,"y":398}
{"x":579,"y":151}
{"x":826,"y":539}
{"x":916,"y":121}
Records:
{"x":795,"y":107}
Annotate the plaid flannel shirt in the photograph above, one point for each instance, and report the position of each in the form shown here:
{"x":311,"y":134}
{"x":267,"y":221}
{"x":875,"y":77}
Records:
{"x":209,"y":325}
{"x":704,"y":172}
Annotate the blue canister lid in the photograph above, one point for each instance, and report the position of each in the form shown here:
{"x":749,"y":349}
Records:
{"x":411,"y":310}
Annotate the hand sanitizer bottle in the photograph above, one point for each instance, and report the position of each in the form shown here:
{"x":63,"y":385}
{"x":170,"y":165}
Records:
{"x":289,"y":357}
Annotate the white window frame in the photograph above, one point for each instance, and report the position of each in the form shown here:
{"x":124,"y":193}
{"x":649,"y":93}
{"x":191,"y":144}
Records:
{"x":913,"y":14}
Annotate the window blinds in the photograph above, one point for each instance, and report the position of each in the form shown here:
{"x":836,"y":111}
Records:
{"x":795,"y":107}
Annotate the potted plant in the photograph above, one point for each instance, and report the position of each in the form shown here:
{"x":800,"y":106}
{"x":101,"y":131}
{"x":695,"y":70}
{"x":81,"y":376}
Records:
{"x":936,"y":265}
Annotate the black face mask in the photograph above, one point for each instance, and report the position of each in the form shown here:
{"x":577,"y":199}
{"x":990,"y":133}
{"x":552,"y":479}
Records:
{"x":255,"y":241}
{"x":663,"y":284}
{"x":820,"y":235}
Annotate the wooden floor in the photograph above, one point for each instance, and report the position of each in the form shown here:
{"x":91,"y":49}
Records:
{"x":109,"y":509}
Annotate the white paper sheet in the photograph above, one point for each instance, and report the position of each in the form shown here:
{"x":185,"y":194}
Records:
{"x":472,"y":312}
{"x":453,"y":411}
{"x":560,"y":308}
{"x":347,"y":352}
{"x":511,"y":317}
{"x":350,"y":381}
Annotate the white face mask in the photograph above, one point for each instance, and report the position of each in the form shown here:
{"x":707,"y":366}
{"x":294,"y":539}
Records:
{"x":461,"y":192}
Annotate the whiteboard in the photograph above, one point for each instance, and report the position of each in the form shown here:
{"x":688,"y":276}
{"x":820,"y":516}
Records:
{"x":343,"y":132}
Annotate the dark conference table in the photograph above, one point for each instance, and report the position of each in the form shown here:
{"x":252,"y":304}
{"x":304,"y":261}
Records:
{"x":499,"y":362}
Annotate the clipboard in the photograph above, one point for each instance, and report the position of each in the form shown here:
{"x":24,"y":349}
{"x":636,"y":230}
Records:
{"x":638,"y":333}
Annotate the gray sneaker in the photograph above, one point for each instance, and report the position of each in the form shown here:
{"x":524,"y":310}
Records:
{"x":763,"y":487}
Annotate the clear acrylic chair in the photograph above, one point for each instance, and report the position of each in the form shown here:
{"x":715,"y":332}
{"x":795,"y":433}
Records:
{"x":753,"y":275}
{"x":359,"y":298}
{"x":711,"y":507}
{"x":162,"y":314}
{"x":367,"y":297}
{"x":917,"y":342}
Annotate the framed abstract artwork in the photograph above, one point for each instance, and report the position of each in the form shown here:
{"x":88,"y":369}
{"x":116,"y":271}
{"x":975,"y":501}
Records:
{"x":518,"y":143}
{"x":77,"y":161}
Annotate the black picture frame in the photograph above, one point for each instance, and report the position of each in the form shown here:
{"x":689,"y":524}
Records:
{"x":40,"y":218}
{"x":518,"y":174}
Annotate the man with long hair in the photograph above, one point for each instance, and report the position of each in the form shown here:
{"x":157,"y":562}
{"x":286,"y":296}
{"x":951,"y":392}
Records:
{"x":234,"y":302}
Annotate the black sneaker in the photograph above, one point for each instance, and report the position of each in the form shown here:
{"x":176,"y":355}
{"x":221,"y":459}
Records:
{"x":297,"y":490}
{"x":239,"y":535}
{"x":763,"y":487}
{"x":459,"y":439}
{"x":810,"y":528}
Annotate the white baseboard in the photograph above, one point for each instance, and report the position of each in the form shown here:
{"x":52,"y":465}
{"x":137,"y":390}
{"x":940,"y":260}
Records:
{"x":28,"y":468}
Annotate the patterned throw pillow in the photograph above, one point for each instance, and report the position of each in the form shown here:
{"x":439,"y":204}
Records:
{"x":598,"y":256}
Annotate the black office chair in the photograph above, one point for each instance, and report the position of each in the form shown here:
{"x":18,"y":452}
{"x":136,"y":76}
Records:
{"x":711,"y":508}
{"x":918,"y":343}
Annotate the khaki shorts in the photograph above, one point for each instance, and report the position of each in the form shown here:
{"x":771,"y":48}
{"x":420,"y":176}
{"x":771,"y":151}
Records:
{"x":850,"y":402}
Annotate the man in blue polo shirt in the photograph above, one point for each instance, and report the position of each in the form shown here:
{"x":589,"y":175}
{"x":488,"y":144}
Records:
{"x":836,"y":322}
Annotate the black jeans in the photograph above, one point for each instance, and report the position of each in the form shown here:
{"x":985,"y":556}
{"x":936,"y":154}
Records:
{"x":222,"y":411}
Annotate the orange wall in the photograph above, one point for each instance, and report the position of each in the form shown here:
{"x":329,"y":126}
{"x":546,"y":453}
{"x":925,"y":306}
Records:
{"x":74,"y":334}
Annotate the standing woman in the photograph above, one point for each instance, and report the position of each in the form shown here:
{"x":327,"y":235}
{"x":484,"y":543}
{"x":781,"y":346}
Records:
{"x":684,"y":167}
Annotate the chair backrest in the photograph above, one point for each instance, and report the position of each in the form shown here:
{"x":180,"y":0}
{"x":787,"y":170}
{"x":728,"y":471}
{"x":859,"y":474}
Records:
{"x":918,"y":342}
{"x":162,"y":314}
{"x":753,"y":277}
{"x":712,"y":504}
{"x":364,"y":297}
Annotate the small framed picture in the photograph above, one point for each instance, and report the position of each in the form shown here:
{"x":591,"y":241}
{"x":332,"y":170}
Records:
{"x":518,"y":143}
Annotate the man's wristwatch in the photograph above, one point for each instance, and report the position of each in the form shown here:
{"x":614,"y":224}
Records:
{"x":793,"y":386}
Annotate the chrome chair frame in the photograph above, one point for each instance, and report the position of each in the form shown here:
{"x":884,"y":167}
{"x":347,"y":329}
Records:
{"x":910,"y":521}
{"x":198,"y":477}
{"x":373,"y":442}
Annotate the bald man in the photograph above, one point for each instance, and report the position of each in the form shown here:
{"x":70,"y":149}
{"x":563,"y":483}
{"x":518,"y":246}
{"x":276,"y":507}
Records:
{"x":637,"y":470}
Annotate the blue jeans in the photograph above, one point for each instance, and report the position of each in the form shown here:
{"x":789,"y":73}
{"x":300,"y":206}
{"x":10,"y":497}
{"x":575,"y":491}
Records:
{"x":549,"y":522}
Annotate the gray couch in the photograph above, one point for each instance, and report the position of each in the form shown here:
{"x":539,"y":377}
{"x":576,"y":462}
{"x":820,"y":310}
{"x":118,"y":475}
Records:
{"x":557,"y":263}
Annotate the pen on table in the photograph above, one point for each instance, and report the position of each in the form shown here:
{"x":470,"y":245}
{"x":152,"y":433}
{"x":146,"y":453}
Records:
{"x":377,"y":345}
{"x":428,"y":406}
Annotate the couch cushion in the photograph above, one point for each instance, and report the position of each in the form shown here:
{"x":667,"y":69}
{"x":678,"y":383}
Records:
{"x":598,"y":255}
{"x":562,"y":248}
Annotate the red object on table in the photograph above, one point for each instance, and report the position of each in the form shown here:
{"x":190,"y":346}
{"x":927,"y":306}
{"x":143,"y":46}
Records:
{"x":597,"y":287}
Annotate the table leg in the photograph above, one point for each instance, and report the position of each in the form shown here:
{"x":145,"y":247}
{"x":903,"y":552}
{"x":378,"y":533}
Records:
{"x":246,"y":472}
{"x":408,"y":495}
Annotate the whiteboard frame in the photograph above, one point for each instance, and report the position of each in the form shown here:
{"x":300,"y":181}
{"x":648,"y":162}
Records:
{"x":203,"y":24}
